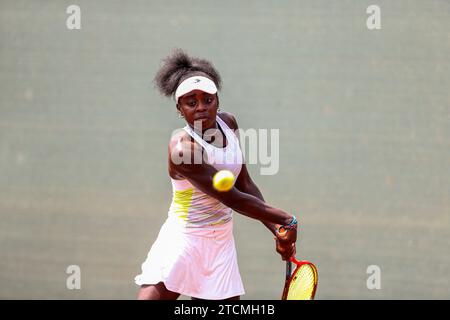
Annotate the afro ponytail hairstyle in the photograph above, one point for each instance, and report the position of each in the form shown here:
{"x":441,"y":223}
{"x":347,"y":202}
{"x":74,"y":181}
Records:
{"x":179,"y":66}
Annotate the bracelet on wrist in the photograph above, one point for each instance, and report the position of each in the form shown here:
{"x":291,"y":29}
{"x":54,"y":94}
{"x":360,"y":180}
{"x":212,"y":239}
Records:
{"x":292,"y":225}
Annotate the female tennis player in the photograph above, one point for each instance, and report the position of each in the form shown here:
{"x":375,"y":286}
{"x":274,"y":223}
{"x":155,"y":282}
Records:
{"x":194,"y":253}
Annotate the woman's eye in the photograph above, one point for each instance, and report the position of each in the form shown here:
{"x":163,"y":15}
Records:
{"x":191,"y":103}
{"x":209,"y":100}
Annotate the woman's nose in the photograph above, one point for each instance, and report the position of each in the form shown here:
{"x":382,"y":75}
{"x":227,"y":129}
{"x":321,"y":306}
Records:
{"x":201,"y":106}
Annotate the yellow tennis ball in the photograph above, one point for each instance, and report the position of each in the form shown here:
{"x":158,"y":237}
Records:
{"x":223,"y":180}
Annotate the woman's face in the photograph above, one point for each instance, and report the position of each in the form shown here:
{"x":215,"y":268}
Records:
{"x":199,"y":108}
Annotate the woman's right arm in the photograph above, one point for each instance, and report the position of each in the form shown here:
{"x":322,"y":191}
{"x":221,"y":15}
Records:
{"x":201,"y":175}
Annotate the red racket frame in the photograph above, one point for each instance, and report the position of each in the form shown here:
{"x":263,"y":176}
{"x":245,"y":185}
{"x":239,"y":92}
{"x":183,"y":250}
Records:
{"x":290,"y":277}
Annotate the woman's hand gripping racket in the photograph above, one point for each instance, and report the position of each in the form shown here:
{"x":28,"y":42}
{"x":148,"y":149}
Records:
{"x":302,"y":284}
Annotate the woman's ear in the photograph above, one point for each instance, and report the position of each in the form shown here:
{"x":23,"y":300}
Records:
{"x":180,"y":115}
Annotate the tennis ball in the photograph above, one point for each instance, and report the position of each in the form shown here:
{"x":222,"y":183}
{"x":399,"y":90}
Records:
{"x":223,"y":180}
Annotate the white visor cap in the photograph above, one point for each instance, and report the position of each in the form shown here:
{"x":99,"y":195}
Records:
{"x":195,"y":83}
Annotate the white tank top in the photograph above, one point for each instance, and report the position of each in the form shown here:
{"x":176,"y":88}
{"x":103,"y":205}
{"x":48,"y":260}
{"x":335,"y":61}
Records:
{"x":192,"y":207}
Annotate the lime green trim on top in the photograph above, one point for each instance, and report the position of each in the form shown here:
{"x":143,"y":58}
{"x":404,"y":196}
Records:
{"x":182,"y":200}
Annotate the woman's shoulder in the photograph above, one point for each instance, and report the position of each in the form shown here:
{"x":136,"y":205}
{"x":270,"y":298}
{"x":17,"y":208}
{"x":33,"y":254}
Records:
{"x":229,"y":119}
{"x":181,"y":140}
{"x":182,"y":150}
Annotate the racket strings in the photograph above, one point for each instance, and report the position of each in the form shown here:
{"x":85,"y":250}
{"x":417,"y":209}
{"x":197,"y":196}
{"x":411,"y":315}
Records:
{"x":303,"y":283}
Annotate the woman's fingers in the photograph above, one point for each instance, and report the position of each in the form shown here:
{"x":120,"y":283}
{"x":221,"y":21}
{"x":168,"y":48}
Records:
{"x":287,"y":236}
{"x":286,"y":250}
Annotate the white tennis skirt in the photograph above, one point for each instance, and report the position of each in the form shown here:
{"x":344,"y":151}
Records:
{"x":196,"y":262}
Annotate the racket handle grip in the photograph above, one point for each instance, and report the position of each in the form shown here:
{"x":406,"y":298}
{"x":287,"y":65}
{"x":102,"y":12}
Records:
{"x":288,"y":269}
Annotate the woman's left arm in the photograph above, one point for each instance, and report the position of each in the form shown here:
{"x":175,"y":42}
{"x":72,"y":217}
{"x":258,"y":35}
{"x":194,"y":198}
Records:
{"x":245,"y":184}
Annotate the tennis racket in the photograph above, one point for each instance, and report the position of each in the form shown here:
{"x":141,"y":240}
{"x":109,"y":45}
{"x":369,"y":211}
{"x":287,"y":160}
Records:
{"x":302,"y":284}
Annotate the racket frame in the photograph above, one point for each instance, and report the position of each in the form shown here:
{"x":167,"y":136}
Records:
{"x":289,"y":277}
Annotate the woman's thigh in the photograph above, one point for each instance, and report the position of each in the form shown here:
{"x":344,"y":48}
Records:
{"x":232,"y":298}
{"x":156,"y":292}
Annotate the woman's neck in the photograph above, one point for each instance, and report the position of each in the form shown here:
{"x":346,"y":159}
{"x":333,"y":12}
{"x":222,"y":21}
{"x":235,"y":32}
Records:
{"x":201,"y":131}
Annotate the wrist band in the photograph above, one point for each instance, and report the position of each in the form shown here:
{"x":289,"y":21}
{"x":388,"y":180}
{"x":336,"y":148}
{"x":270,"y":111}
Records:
{"x":293,"y":222}
{"x":291,"y":225}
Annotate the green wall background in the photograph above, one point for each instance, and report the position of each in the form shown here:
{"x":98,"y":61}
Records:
{"x":364,"y":140}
